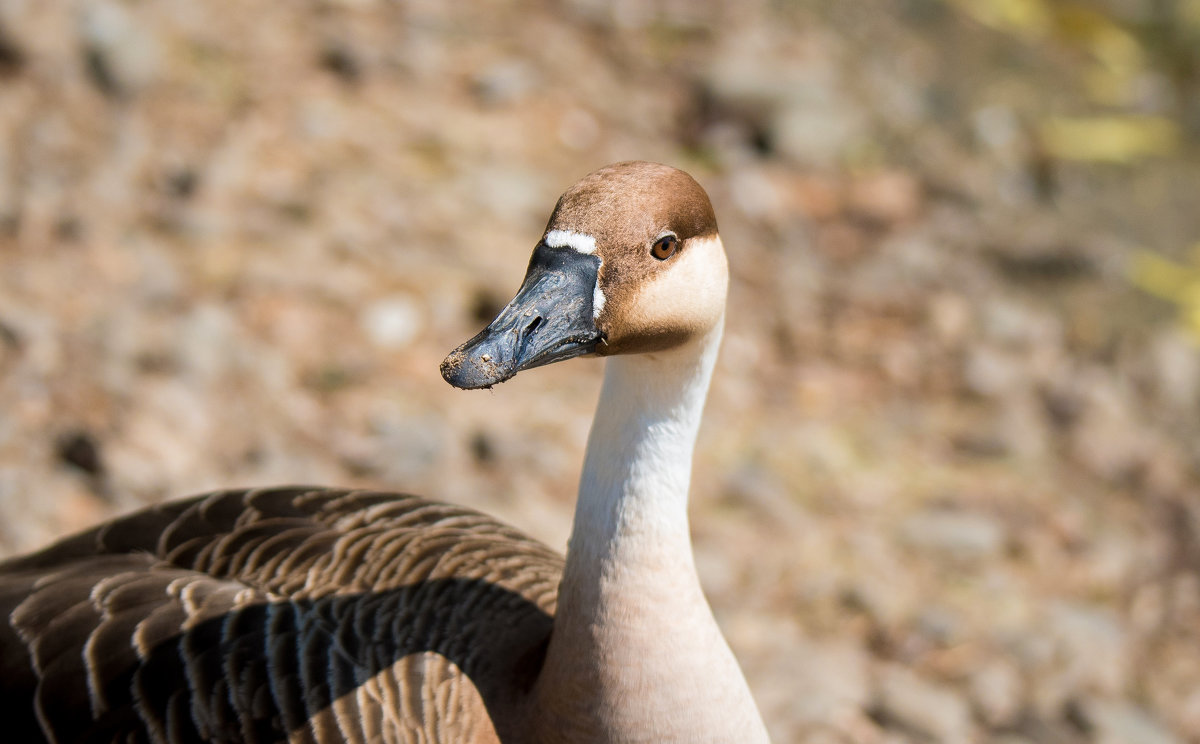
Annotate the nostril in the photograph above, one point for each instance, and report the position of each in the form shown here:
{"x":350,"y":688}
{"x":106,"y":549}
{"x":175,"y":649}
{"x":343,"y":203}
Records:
{"x":533,"y":325}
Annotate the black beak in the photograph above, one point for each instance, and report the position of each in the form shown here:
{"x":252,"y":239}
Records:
{"x":550,"y":319}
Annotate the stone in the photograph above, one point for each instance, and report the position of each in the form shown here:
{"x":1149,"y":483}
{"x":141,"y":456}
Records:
{"x":505,"y":83}
{"x":393,"y":322}
{"x":802,"y":108}
{"x":950,"y":315}
{"x":960,"y":536}
{"x":816,"y":130}
{"x":1176,"y":364}
{"x":996,"y":691}
{"x":991,"y":372}
{"x":762,"y":490}
{"x":885,"y":196}
{"x":804,"y":684}
{"x":1076,"y":648}
{"x":1121,"y":722}
{"x":123,"y":55}
{"x":911,"y":702}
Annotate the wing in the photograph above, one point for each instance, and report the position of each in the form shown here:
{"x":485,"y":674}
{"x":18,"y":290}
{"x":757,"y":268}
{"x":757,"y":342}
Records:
{"x":276,"y":615}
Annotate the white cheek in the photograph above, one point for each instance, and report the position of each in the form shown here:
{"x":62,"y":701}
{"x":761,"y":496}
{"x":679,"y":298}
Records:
{"x":581,"y":242}
{"x":690,"y":294}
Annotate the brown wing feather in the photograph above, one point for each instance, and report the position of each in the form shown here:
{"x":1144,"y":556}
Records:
{"x":287,"y":614}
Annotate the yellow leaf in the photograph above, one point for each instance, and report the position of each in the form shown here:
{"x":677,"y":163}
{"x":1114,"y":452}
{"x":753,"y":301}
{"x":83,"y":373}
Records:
{"x":1162,"y":277}
{"x":1030,"y":18}
{"x":1106,"y":40}
{"x":1192,"y":319}
{"x":1118,"y":59}
{"x":1117,"y":139}
{"x":1189,"y":11}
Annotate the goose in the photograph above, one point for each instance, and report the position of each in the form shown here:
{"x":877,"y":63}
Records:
{"x":306,"y":614}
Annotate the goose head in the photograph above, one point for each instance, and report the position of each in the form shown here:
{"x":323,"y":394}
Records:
{"x":630,"y":262}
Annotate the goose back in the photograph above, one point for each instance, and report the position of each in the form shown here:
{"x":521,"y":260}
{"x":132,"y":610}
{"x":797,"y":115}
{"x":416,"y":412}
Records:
{"x":286,"y":614}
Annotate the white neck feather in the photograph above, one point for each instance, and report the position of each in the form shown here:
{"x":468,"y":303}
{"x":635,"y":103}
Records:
{"x":636,"y":654}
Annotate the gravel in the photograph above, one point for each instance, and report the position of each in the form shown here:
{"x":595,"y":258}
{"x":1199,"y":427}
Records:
{"x":946,"y":485}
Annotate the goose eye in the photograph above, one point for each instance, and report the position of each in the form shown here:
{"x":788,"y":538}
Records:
{"x":664,"y":247}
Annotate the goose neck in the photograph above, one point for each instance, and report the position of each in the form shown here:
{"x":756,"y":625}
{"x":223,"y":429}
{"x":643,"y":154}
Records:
{"x":633,"y":491}
{"x":635,"y":654}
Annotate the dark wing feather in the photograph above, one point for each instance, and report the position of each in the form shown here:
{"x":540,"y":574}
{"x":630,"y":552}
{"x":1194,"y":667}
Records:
{"x":288,"y":614}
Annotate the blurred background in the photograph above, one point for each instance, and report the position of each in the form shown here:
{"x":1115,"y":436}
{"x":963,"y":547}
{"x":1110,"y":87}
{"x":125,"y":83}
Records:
{"x":946,"y":490}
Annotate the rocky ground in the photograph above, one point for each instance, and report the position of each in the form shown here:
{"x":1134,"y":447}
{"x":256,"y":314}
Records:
{"x":947,"y":486}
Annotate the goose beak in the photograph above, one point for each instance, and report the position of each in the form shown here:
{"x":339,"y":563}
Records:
{"x":550,"y":319}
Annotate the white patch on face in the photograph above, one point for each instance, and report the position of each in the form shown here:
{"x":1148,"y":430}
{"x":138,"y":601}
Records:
{"x":583,"y":243}
{"x":570,"y":239}
{"x":597,"y":300}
